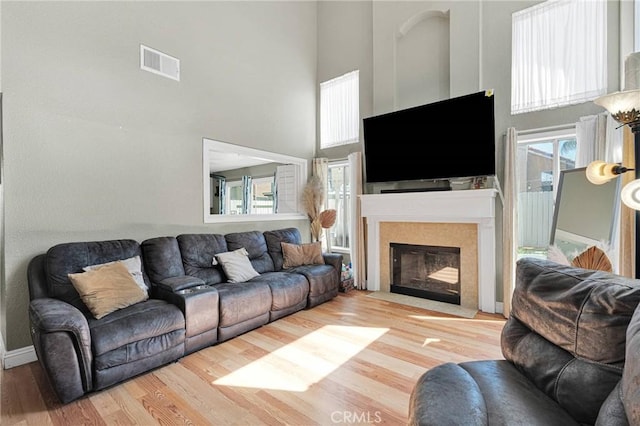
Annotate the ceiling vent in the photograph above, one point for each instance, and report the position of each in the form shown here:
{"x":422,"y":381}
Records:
{"x":159,"y":63}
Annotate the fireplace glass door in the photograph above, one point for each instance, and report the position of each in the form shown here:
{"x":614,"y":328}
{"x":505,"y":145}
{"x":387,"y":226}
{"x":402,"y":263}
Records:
{"x":429,"y":272}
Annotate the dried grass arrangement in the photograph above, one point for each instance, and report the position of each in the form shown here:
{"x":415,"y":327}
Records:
{"x":593,"y":257}
{"x":312,"y":201}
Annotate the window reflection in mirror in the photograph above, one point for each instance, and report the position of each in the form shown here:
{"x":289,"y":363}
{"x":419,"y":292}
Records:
{"x":585,"y":214}
{"x":245,"y":184}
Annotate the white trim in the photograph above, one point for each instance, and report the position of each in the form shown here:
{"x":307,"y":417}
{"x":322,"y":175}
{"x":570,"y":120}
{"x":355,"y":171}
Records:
{"x":19,"y":357}
{"x":499,"y":307}
{"x":209,"y":145}
{"x":464,"y":206}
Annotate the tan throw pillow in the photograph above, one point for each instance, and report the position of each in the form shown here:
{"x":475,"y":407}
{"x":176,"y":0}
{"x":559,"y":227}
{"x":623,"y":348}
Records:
{"x":133,"y":265}
{"x":302,"y":254}
{"x":236,"y":265}
{"x":107,"y":289}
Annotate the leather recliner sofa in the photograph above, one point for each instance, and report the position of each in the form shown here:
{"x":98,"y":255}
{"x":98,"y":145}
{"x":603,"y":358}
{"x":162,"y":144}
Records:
{"x":572,"y":357}
{"x":190,"y":304}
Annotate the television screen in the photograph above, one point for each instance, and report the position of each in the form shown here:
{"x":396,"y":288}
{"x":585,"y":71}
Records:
{"x":453,"y":138}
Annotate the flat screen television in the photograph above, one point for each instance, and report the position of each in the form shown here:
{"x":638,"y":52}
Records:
{"x":452,"y":138}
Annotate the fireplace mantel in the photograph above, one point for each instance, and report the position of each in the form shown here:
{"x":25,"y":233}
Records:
{"x":464,"y":206}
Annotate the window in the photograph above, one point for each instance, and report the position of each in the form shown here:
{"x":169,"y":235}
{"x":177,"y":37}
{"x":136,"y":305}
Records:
{"x":340,"y":110}
{"x":234,"y":197}
{"x":250,"y":195}
{"x":540,"y":158}
{"x":339,"y":198}
{"x":262,"y":196}
{"x":558,"y":54}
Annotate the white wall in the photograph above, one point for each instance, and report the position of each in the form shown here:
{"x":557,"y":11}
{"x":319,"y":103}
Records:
{"x":96,"y":149}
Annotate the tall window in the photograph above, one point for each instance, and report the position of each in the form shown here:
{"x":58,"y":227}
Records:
{"x":340,"y":110}
{"x":338,"y":198}
{"x":540,"y":158}
{"x":559,"y":52}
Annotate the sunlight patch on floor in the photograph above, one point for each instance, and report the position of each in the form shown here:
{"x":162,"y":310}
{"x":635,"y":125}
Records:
{"x":287,"y":368}
{"x":429,"y":340}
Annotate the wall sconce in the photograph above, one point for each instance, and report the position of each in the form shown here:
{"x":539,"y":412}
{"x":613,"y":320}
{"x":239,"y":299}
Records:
{"x":599,"y":172}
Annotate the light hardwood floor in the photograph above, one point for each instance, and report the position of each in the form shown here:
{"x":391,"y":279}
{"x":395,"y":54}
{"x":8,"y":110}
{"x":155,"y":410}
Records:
{"x":353,"y":360}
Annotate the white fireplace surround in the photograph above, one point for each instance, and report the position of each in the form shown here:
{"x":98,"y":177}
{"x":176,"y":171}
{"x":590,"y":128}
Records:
{"x":464,"y":206}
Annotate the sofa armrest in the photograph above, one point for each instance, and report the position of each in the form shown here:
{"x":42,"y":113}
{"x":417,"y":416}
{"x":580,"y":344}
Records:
{"x":199,"y":305}
{"x":62,"y":340}
{"x":175,"y":284}
{"x":444,"y":390}
{"x":335,"y":260}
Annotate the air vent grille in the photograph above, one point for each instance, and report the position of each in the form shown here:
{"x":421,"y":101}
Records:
{"x":159,"y":63}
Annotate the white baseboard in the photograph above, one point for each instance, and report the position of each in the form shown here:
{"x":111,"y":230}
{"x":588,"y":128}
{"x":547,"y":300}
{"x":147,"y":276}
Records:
{"x":18,"y":357}
{"x":499,"y":307}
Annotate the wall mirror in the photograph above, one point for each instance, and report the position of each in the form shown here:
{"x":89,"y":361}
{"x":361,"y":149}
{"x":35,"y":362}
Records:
{"x":242,"y":184}
{"x":585,"y":214}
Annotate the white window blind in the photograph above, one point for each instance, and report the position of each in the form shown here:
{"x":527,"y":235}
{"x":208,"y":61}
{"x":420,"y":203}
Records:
{"x":287,"y":189}
{"x":340,"y":110}
{"x":558,"y":54}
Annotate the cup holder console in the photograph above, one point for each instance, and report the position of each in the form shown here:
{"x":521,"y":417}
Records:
{"x":194,"y":289}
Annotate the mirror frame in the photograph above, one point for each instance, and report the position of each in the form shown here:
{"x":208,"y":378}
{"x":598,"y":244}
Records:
{"x":209,"y":145}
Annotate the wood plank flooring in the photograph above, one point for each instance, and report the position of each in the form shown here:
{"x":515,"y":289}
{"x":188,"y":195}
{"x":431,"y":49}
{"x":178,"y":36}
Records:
{"x":353,"y":360}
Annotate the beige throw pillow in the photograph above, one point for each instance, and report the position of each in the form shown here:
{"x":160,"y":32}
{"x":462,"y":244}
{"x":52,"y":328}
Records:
{"x":302,"y":254}
{"x":134,"y":266}
{"x":107,"y":289}
{"x":236,"y":265}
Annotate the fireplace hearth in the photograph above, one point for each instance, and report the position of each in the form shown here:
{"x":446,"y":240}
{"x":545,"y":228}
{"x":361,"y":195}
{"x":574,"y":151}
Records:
{"x":429,"y":272}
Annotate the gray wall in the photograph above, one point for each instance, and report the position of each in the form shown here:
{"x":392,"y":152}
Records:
{"x":95,"y":148}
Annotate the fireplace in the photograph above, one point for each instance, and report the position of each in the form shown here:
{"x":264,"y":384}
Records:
{"x":464,"y":219}
{"x":430,"y":272}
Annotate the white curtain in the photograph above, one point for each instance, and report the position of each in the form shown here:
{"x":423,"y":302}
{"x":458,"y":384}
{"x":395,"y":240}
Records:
{"x":598,"y":138}
{"x":509,"y":219}
{"x":356,"y":231}
{"x":340,"y":110}
{"x":547,"y":74}
{"x":320,"y":168}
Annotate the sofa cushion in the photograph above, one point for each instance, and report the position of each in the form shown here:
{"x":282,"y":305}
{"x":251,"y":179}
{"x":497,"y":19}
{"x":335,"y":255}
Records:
{"x":256,"y":245}
{"x":323,"y":282}
{"x":585,"y":312}
{"x":197,"y":251}
{"x":107,"y":288}
{"x":236,"y":265}
{"x":301,"y":254}
{"x":133,"y":265}
{"x":287,"y":289}
{"x":630,"y":383}
{"x":274,"y":241}
{"x":481,"y":393}
{"x":162,"y":258}
{"x":70,"y":258}
{"x":242,"y":302}
{"x":136,"y":332}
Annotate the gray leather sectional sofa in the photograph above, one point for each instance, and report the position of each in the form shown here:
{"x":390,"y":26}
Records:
{"x":191,"y":304}
{"x":572,"y":357}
